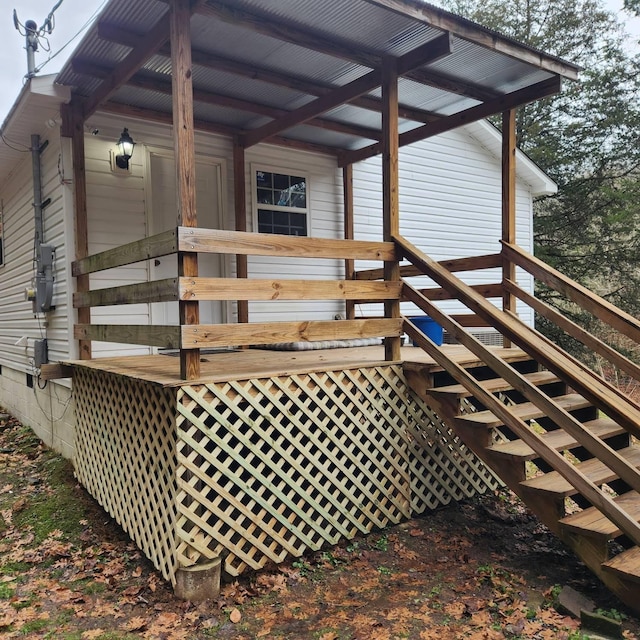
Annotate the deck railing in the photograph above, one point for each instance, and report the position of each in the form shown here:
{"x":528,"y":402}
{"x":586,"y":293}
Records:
{"x":198,"y":336}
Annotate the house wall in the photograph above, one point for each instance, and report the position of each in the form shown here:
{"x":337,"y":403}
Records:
{"x":48,"y":410}
{"x":450,"y":207}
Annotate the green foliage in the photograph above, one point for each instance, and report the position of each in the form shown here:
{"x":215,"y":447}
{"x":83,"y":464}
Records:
{"x":586,"y":139}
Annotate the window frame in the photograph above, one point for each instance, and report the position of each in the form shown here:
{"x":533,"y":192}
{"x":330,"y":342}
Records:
{"x":255,"y":169}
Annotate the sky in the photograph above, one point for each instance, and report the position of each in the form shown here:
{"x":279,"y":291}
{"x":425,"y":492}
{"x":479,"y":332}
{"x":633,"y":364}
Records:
{"x":72,"y":15}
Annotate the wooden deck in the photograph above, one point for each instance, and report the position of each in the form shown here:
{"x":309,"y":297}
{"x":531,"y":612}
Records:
{"x":164,"y":370}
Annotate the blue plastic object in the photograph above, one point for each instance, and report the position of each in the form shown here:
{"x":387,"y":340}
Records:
{"x":429,"y":327}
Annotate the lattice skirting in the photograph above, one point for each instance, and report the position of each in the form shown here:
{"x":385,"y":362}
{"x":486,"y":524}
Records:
{"x":262,"y":469}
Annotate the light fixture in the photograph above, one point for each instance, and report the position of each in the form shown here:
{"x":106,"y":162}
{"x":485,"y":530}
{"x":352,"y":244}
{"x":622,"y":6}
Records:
{"x":125,"y":149}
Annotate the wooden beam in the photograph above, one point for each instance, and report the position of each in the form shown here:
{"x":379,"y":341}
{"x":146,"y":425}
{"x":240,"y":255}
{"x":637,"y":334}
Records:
{"x":349,"y":231}
{"x":485,"y":290}
{"x":142,"y":292}
{"x":390,"y":193}
{"x":116,"y":33}
{"x":441,"y":19}
{"x":156,"y":246}
{"x":289,"y":31}
{"x":473,"y":263}
{"x":73,"y":127}
{"x":145,"y":334}
{"x":272,"y":244}
{"x":508,"y":205}
{"x":221,"y":335}
{"x":212,"y":127}
{"x":434,"y":50}
{"x":55,"y":371}
{"x":240,"y":207}
{"x":185,"y":159}
{"x":504,"y":103}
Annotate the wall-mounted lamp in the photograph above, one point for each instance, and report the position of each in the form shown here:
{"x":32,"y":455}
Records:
{"x":125,"y":149}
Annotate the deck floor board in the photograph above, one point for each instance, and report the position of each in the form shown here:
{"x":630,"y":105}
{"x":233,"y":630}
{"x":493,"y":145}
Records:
{"x":164,"y":370}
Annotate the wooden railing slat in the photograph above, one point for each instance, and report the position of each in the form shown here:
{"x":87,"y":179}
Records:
{"x":145,"y":334}
{"x":143,"y":292}
{"x":268,"y":244}
{"x":485,"y":290}
{"x":474,"y":263}
{"x":599,"y":307}
{"x":256,"y":333}
{"x":156,"y":246}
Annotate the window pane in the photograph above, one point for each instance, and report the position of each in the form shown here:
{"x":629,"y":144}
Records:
{"x":265,"y":196}
{"x":264,"y":179}
{"x":280,"y":182}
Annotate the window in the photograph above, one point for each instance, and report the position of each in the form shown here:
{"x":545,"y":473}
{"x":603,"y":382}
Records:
{"x":281,"y":203}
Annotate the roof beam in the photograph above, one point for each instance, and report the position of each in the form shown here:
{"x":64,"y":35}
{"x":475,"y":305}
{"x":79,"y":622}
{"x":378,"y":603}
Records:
{"x":162,"y":117}
{"x":120,"y":35}
{"x":288,"y":31}
{"x":472,"y":32}
{"x":142,"y":51}
{"x":511,"y":100}
{"x":161,"y":85}
{"x":429,"y":52}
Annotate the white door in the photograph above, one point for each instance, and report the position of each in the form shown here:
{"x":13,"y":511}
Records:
{"x":163,"y":216}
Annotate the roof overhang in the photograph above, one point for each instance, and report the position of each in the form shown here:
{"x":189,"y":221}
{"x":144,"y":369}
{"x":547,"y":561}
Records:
{"x":36,"y":109}
{"x":307,"y":73}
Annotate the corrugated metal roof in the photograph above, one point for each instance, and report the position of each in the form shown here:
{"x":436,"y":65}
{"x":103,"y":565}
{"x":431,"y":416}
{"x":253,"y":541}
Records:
{"x":362,"y":32}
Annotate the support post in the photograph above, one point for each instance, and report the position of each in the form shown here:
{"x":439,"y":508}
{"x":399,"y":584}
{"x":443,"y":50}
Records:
{"x":240,"y":203}
{"x":185,"y":158}
{"x":73,"y":127}
{"x":508,"y":204}
{"x":390,"y":201}
{"x":349,"y":264}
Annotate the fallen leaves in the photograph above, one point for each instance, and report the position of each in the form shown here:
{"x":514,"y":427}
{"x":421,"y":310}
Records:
{"x":235,"y":616}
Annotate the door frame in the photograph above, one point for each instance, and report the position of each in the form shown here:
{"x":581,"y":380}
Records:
{"x":220,"y":164}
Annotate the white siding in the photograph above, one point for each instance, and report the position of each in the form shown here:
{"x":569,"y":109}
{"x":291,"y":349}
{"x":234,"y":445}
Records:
{"x":450,"y":195}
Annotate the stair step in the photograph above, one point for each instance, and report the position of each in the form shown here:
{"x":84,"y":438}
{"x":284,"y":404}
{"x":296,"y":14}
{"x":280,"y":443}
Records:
{"x":494,"y":385}
{"x":625,"y":564}
{"x":559,"y":440}
{"x":591,"y":522}
{"x":594,"y":469}
{"x":525,"y":411}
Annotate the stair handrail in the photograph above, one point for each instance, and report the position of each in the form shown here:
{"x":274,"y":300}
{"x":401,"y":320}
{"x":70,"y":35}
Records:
{"x":573,"y":475}
{"x":574,"y":330}
{"x":595,"y":389}
{"x":580,"y":295}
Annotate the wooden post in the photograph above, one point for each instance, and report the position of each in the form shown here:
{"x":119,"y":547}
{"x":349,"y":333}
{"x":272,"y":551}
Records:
{"x":73,"y":127}
{"x":184,"y":146}
{"x":390,"y":201}
{"x":508,"y":204}
{"x":240,"y":202}
{"x":349,"y":264}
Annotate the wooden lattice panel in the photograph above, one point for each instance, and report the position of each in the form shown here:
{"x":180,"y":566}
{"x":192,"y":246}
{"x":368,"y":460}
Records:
{"x":125,"y":457}
{"x":272,"y":467}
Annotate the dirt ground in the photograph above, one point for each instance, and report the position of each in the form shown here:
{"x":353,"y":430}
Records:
{"x":482,"y":569}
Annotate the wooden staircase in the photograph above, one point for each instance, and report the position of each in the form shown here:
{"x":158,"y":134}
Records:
{"x":586,"y":530}
{"x":560,"y":436}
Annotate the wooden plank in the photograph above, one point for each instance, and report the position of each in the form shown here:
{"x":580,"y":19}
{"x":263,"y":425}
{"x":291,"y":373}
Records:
{"x":508,"y":203}
{"x":55,"y":371}
{"x":144,"y":292}
{"x":625,"y":565}
{"x":224,"y":335}
{"x":185,"y":160}
{"x":268,"y":289}
{"x":486,"y":290}
{"x":576,"y":331}
{"x":390,"y":189}
{"x":472,"y":114}
{"x":599,"y":307}
{"x":272,"y":244}
{"x":349,"y":231}
{"x":240,"y":209}
{"x":470,"y":320}
{"x":156,"y":246}
{"x":151,"y":335}
{"x":440,"y":19}
{"x":474,"y":263}
{"x":74,"y":123}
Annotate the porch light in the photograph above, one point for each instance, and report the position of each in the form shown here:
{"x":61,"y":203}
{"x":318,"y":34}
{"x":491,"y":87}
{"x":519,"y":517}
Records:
{"x":125,"y":149}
